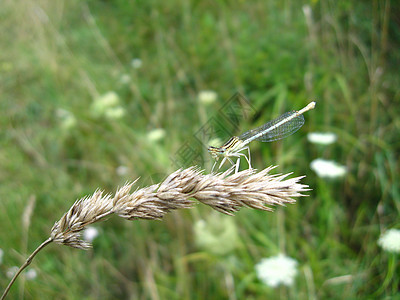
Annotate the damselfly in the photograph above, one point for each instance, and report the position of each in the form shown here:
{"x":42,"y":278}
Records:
{"x":277,"y":129}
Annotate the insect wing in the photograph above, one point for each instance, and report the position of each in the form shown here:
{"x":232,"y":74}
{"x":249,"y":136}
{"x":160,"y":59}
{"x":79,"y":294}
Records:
{"x":276,"y":129}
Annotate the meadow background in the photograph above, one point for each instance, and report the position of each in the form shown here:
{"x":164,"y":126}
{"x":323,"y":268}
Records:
{"x":96,"y":93}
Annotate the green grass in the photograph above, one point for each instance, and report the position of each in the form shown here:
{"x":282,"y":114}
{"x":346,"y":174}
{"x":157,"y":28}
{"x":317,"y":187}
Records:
{"x":65,"y":54}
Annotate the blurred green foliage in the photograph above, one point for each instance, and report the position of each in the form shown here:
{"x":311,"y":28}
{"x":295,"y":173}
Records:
{"x":59,"y":57}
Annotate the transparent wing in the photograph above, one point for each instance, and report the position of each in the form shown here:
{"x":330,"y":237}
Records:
{"x":273,"y":132}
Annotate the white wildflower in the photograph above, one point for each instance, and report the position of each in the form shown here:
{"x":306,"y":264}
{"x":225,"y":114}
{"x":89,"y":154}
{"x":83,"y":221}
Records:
{"x":67,"y":119}
{"x":107,"y":100}
{"x":390,"y":241}
{"x":122,"y":170}
{"x":90,"y":233}
{"x":327,"y":168}
{"x":107,"y":105}
{"x":136,"y":63}
{"x":12,"y":271}
{"x":322,"y":138}
{"x":156,"y":135}
{"x":276,"y":270}
{"x":217,"y":234}
{"x":30,"y":274}
{"x":115,"y":113}
{"x":207,"y":97}
{"x":125,"y":79}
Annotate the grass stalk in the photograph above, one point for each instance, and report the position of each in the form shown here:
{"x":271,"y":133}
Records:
{"x":26,"y":263}
{"x":224,"y":192}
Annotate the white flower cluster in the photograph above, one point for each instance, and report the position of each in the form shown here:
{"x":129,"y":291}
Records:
{"x":207,"y":97}
{"x":108,"y":106}
{"x":30,"y":274}
{"x":325,"y":168}
{"x":90,"y":233}
{"x":276,"y":270}
{"x":218,"y":234}
{"x":12,"y":271}
{"x":156,"y":135}
{"x":122,"y":170}
{"x":322,"y":138}
{"x":390,"y":241}
{"x":136,"y":63}
{"x":66,"y":118}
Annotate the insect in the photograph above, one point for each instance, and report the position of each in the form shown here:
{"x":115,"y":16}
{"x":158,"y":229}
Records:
{"x":274,"y":130}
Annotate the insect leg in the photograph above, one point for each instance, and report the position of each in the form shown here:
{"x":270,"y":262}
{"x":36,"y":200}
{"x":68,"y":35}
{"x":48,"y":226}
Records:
{"x":238,"y":154}
{"x":249,"y":157}
{"x":237,"y":165}
{"x":222,"y":162}
{"x":212,"y":169}
{"x":230,"y":160}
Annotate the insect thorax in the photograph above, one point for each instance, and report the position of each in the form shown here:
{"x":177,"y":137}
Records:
{"x":233,"y":144}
